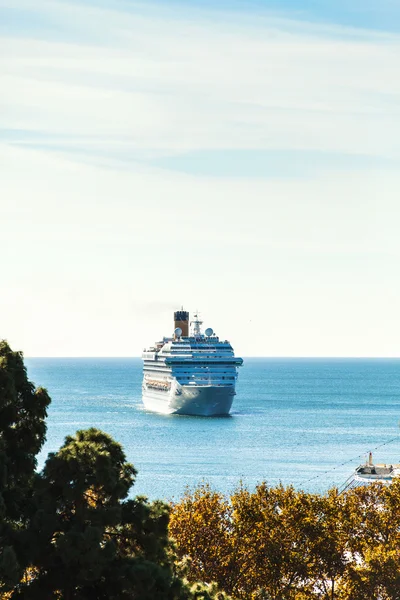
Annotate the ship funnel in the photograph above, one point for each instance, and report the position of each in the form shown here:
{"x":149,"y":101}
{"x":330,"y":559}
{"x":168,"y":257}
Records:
{"x":181,"y":319}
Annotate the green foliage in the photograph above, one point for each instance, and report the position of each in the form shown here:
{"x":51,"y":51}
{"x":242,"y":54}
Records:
{"x":23,"y":410}
{"x":9,"y":567}
{"x":87,"y":541}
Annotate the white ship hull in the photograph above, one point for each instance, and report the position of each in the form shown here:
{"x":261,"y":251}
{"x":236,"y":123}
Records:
{"x":202,"y":401}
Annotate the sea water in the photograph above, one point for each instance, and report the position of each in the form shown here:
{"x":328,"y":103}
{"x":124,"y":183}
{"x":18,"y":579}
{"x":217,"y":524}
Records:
{"x":305,"y":422}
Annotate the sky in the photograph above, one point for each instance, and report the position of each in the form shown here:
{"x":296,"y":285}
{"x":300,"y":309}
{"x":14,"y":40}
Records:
{"x":239,"y":158}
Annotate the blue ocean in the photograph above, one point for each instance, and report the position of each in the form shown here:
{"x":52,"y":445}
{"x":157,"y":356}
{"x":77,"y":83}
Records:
{"x":306,"y":422}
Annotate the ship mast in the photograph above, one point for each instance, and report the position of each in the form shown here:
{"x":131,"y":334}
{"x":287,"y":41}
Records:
{"x":196,"y":324}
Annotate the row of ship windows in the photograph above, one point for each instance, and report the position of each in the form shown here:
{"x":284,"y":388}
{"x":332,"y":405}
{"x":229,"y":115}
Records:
{"x":196,"y":374}
{"x":195,"y":362}
{"x":204,"y":368}
{"x":192,"y":366}
{"x":200,"y":349}
{"x":198,"y":354}
{"x":202,"y":372}
{"x":181,"y":377}
{"x":199,"y":372}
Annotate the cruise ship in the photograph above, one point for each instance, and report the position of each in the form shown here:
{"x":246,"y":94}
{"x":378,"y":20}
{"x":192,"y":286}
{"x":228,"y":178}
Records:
{"x":190,"y":373}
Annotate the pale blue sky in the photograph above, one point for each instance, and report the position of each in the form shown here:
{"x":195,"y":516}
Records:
{"x":368,"y":14}
{"x":241,"y":158}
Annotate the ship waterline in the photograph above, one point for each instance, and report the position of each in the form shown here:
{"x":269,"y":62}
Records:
{"x":192,"y":374}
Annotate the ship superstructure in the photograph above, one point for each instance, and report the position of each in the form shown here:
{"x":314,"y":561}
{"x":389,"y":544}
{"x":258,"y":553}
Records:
{"x":190,"y":373}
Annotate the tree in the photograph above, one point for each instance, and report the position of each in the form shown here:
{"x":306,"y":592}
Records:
{"x":277,"y":543}
{"x":202,"y":527}
{"x":334,"y":521}
{"x":23,"y":410}
{"x":86,"y":540}
{"x":375,"y":543}
{"x":255,"y":545}
{"x":274,"y":530}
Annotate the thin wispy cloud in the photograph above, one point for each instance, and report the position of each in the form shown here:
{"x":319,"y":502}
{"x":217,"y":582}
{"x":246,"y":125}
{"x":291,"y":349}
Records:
{"x":175,"y":84}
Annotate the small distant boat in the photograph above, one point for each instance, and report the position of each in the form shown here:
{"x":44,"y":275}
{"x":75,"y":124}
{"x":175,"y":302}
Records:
{"x":370,"y":473}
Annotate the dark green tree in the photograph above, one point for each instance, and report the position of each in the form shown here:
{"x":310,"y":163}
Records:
{"x":23,"y":410}
{"x":86,"y":539}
